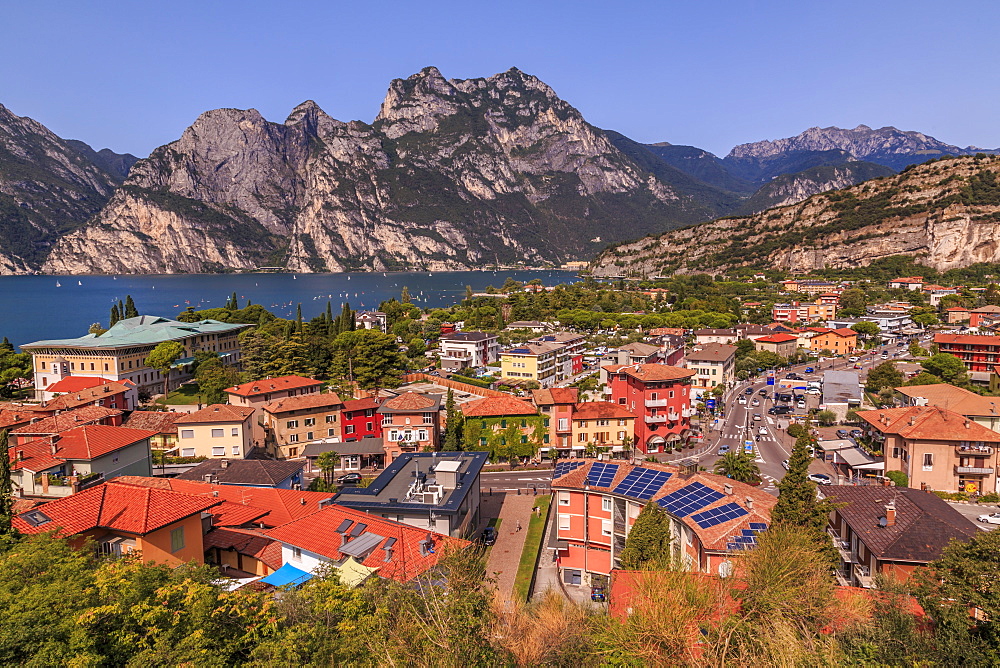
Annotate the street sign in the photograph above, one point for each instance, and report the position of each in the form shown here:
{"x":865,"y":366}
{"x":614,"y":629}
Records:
{"x":710,"y":403}
{"x":770,"y":380}
{"x":748,"y":447}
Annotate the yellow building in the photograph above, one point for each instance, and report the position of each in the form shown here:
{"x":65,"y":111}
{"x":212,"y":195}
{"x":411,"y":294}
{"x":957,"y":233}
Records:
{"x":603,"y":424}
{"x":531,"y":361}
{"x":219,"y":430}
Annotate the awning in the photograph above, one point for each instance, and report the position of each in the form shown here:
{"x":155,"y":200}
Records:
{"x":579,"y":447}
{"x":353,"y":573}
{"x":287,"y":575}
{"x":617,"y":448}
{"x":874,"y":466}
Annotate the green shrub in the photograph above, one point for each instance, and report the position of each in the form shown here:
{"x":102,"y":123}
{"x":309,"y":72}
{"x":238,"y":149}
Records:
{"x":898,"y":477}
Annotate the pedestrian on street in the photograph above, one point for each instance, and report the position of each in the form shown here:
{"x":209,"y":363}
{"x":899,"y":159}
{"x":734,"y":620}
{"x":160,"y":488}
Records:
{"x":518,"y":525}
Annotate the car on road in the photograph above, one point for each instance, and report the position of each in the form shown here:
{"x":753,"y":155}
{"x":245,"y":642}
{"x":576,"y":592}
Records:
{"x":488,"y":536}
{"x":857,"y":366}
{"x":820,"y":478}
{"x":755,"y":402}
{"x":762,"y":431}
{"x":793,"y":376}
{"x":885,"y":356}
{"x":742,"y":400}
{"x":784,"y":463}
{"x":801,"y":405}
{"x":782,"y":410}
{"x":991,"y":518}
{"x":809,"y":369}
{"x":852,"y":359}
{"x":756,"y":417}
{"x":723,"y":449}
{"x":348,"y":478}
{"x":748,"y":391}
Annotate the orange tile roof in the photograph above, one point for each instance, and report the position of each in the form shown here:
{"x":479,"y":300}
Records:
{"x":600,"y":410}
{"x":555,"y":395}
{"x":76,"y":384}
{"x":908,"y":279}
{"x":317,"y":533}
{"x":780,"y":337}
{"x":953,"y":398}
{"x":268,"y":385}
{"x":162,"y":422}
{"x":55,"y":424}
{"x":497,"y":407}
{"x":929,"y":423}
{"x":216,"y":413}
{"x":14,"y":417}
{"x":651,"y":372}
{"x":365,"y":404}
{"x":303,"y":402}
{"x":229,"y":514}
{"x":84,"y":396}
{"x":970,"y":339}
{"x":410,"y":401}
{"x":127,"y":508}
{"x":844,"y":331}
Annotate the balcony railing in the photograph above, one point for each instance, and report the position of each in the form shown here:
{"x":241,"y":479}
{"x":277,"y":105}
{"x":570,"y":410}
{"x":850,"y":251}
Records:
{"x":984,"y":449}
{"x":656,"y":403}
{"x":673,"y":417}
{"x":863,"y":575}
{"x":656,"y":419}
{"x":973,"y":470}
{"x":843,"y":546}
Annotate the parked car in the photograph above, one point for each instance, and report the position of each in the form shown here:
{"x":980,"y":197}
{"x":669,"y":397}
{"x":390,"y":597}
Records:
{"x":842,"y":433}
{"x":782,"y":410}
{"x":488,"y":537}
{"x":801,"y":405}
{"x":772,"y":411}
{"x":820,"y":478}
{"x":991,"y":518}
{"x":857,"y":433}
{"x":814,"y":391}
{"x":348,"y":478}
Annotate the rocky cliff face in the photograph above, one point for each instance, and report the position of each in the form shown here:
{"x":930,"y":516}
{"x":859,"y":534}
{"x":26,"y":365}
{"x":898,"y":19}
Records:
{"x":791,"y":188}
{"x":945,"y":213}
{"x":452,"y":174}
{"x":48,"y":186}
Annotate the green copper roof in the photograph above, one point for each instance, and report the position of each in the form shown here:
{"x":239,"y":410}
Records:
{"x":139,"y":331}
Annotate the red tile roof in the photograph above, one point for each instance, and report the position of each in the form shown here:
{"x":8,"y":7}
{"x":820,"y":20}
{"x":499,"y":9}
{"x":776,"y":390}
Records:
{"x":68,"y":420}
{"x":410,"y":401}
{"x":269,"y":385}
{"x":497,"y":407}
{"x":600,"y":410}
{"x":248,"y":542}
{"x":929,"y":423}
{"x":368,"y":403}
{"x":780,"y":337}
{"x":317,"y":533}
{"x":229,"y":514}
{"x":967,"y":339}
{"x":303,"y":402}
{"x":651,"y":372}
{"x":162,"y":422}
{"x":75,"y":384}
{"x":84,"y":396}
{"x":127,"y":508}
{"x":555,"y":395}
{"x":216,"y":413}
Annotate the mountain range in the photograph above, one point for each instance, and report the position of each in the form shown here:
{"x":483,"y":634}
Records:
{"x":451,"y":174}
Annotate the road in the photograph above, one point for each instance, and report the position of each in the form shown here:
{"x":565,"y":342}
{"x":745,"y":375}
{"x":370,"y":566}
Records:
{"x":510,"y":481}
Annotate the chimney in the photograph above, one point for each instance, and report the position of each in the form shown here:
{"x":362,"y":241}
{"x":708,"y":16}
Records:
{"x":302,"y":501}
{"x":224,"y":463}
{"x":20,"y":455}
{"x":728,"y":489}
{"x":749,"y":503}
{"x":890,"y":514}
{"x":968,"y":423}
{"x":913,"y":420}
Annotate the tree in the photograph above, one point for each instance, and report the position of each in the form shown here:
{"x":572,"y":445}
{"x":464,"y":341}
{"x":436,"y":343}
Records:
{"x":214,"y":378}
{"x":130,"y":310}
{"x":327,"y":463}
{"x":866,"y":330}
{"x":884,"y":375}
{"x":797,"y":505}
{"x":826,"y":417}
{"x":924,"y":378}
{"x":115,"y":316}
{"x":648,"y":544}
{"x":453,"y":424}
{"x":916,"y":350}
{"x":6,"y":488}
{"x":947,"y":367}
{"x":739,"y":466}
{"x":162,"y":357}
{"x":368,"y":357}
{"x":404,"y":296}
{"x":926,"y":319}
{"x":853,"y":302}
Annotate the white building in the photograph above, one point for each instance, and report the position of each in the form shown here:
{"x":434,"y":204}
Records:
{"x":468,"y":349}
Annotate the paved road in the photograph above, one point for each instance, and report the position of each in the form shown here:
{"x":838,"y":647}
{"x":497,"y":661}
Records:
{"x":515,"y":480}
{"x":974,"y":510}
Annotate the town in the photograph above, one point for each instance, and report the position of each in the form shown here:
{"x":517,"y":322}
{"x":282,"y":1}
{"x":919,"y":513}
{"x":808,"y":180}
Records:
{"x":583,"y":460}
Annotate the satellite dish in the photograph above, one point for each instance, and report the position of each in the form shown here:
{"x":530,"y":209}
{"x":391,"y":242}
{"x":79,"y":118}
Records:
{"x":882,"y":522}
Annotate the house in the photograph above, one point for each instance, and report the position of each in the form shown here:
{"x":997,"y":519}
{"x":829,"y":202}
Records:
{"x":63,"y":463}
{"x":781,"y":344}
{"x":809,"y":286}
{"x":74,"y":391}
{"x":714,"y":364}
{"x":824,"y":308}
{"x":216,"y":431}
{"x":890,"y":531}
{"x":365,"y":453}
{"x":411,"y":422}
{"x":39,"y":427}
{"x":120,"y":353}
{"x":659,"y":397}
{"x":636,"y":353}
{"x":371,"y":320}
{"x":461,"y":350}
{"x":359,"y":545}
{"x":530,"y":325}
{"x":703,"y":336}
{"x":753,"y":332}
{"x":848,"y":459}
{"x":358,"y":420}
{"x":712,"y":518}
{"x":435,"y":491}
{"x":163,"y":526}
{"x":531,"y":362}
{"x":936,"y":448}
{"x":496,"y":419}
{"x":247,"y":472}
{"x":907,"y":283}
{"x":841,"y":392}
{"x":984,"y":316}
{"x":980,"y":353}
{"x":569,"y":356}
{"x":935,"y":293}
{"x":259,"y":393}
{"x":163,"y":423}
{"x":604,"y":426}
{"x":558,"y":405}
{"x":293,"y":421}
{"x":976,"y":407}
{"x":887,"y":321}
{"x":957,"y":314}
{"x":841,"y":341}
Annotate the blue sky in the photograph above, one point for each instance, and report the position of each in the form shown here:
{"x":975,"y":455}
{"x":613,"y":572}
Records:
{"x":132,"y":75}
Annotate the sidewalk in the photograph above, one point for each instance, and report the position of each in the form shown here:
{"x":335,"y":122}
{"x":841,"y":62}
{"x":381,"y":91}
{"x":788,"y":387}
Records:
{"x":506,"y":553}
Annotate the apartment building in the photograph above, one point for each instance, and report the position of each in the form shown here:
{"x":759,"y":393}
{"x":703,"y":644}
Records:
{"x":216,"y":431}
{"x":558,"y":404}
{"x":460,"y":350}
{"x":410,"y":423}
{"x":703,"y":336}
{"x":292,"y":422}
{"x":714,"y":364}
{"x":659,"y":396}
{"x":824,"y":308}
{"x":569,"y":356}
{"x":358,"y":419}
{"x":842,"y":341}
{"x":258,"y":393}
{"x":531,"y":362}
{"x":979,"y":353}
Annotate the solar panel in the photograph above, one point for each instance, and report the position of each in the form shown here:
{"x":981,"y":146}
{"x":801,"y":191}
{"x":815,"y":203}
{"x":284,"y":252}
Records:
{"x":748,"y":532}
{"x":689,"y":499}
{"x":562,"y":468}
{"x":758,"y":526}
{"x":719,"y":515}
{"x":602,"y":474}
{"x":642,"y":483}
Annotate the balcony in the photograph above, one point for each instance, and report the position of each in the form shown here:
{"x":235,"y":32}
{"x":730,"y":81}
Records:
{"x":843,"y":546}
{"x":981,"y":449}
{"x":655,"y":403}
{"x":863,"y":575}
{"x":607,"y":390}
{"x":673,"y":417}
{"x":973,"y":470}
{"x":688,"y":412}
{"x":656,"y":419}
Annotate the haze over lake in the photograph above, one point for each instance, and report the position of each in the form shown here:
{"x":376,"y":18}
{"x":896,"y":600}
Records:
{"x":55,"y":307}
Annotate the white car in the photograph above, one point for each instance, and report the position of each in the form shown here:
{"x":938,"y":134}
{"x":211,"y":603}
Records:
{"x":820,"y":478}
{"x":784,"y":463}
{"x":814,"y":390}
{"x":755,"y":402}
{"x":742,"y":401}
{"x":852,"y":359}
{"x":992,"y":518}
{"x":762,"y":431}
{"x":801,"y":405}
{"x":756,"y":417}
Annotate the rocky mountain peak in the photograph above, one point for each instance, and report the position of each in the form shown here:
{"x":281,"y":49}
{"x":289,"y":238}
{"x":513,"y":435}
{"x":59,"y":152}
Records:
{"x":312,"y":119}
{"x":414,"y":104}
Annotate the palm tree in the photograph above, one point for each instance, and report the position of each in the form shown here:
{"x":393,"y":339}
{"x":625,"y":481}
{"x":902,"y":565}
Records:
{"x":738,"y":466}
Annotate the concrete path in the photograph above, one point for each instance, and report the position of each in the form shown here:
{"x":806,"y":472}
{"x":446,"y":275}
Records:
{"x":506,"y":553}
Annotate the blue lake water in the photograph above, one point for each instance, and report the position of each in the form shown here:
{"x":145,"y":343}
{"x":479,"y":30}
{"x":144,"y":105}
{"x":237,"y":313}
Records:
{"x":34,"y":307}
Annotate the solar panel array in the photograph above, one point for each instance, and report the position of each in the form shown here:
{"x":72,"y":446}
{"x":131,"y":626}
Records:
{"x":642,"y":483}
{"x":602,"y":474}
{"x":747,"y":538}
{"x":689,"y":499}
{"x":710,"y":518}
{"x":758,"y":526}
{"x":562,"y":468}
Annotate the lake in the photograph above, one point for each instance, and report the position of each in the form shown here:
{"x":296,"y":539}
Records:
{"x":56,"y":307}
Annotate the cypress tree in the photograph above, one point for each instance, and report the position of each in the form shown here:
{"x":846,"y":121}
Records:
{"x":115,"y":316}
{"x":6,"y":488}
{"x":797,"y":504}
{"x":235,"y":302}
{"x":648,"y":543}
{"x":453,"y":424}
{"x":404,"y":296}
{"x":130,"y":310}
{"x":121,"y":310}
{"x":298,"y":318}
{"x":347,"y":317}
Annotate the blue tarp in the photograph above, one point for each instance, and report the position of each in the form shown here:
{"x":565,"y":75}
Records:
{"x":287,"y":575}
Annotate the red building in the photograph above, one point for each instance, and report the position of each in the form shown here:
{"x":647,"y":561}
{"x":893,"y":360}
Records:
{"x":358,"y":420}
{"x":979,"y":353}
{"x":659,"y":396}
{"x":712,"y":519}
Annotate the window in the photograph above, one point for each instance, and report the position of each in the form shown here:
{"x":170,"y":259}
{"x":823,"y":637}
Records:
{"x":606,"y":504}
{"x":187,"y":452}
{"x":653,"y":395}
{"x":309,"y":436}
{"x":331,"y":432}
{"x":895,"y":453}
{"x":622,"y":401}
{"x":581,"y":437}
{"x":349,"y":429}
{"x":422,"y":435}
{"x":563,"y":424}
{"x":330,"y":419}
{"x":563,"y":498}
{"x":602,"y":423}
{"x":370,"y":412}
{"x":218,"y":433}
{"x":187,"y":433}
{"x":386,"y":419}
{"x":428,"y":418}
{"x":671,"y":394}
{"x":292,"y":424}
{"x":928,"y":461}
{"x":309,"y":422}
{"x":236,"y":451}
{"x":622,"y":435}
{"x":218,"y":451}
{"x":564,"y":522}
{"x":43,"y":366}
{"x":605,"y":527}
{"x":235,"y":431}
{"x":297,"y":553}
{"x":293,"y":452}
{"x":177,"y":539}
